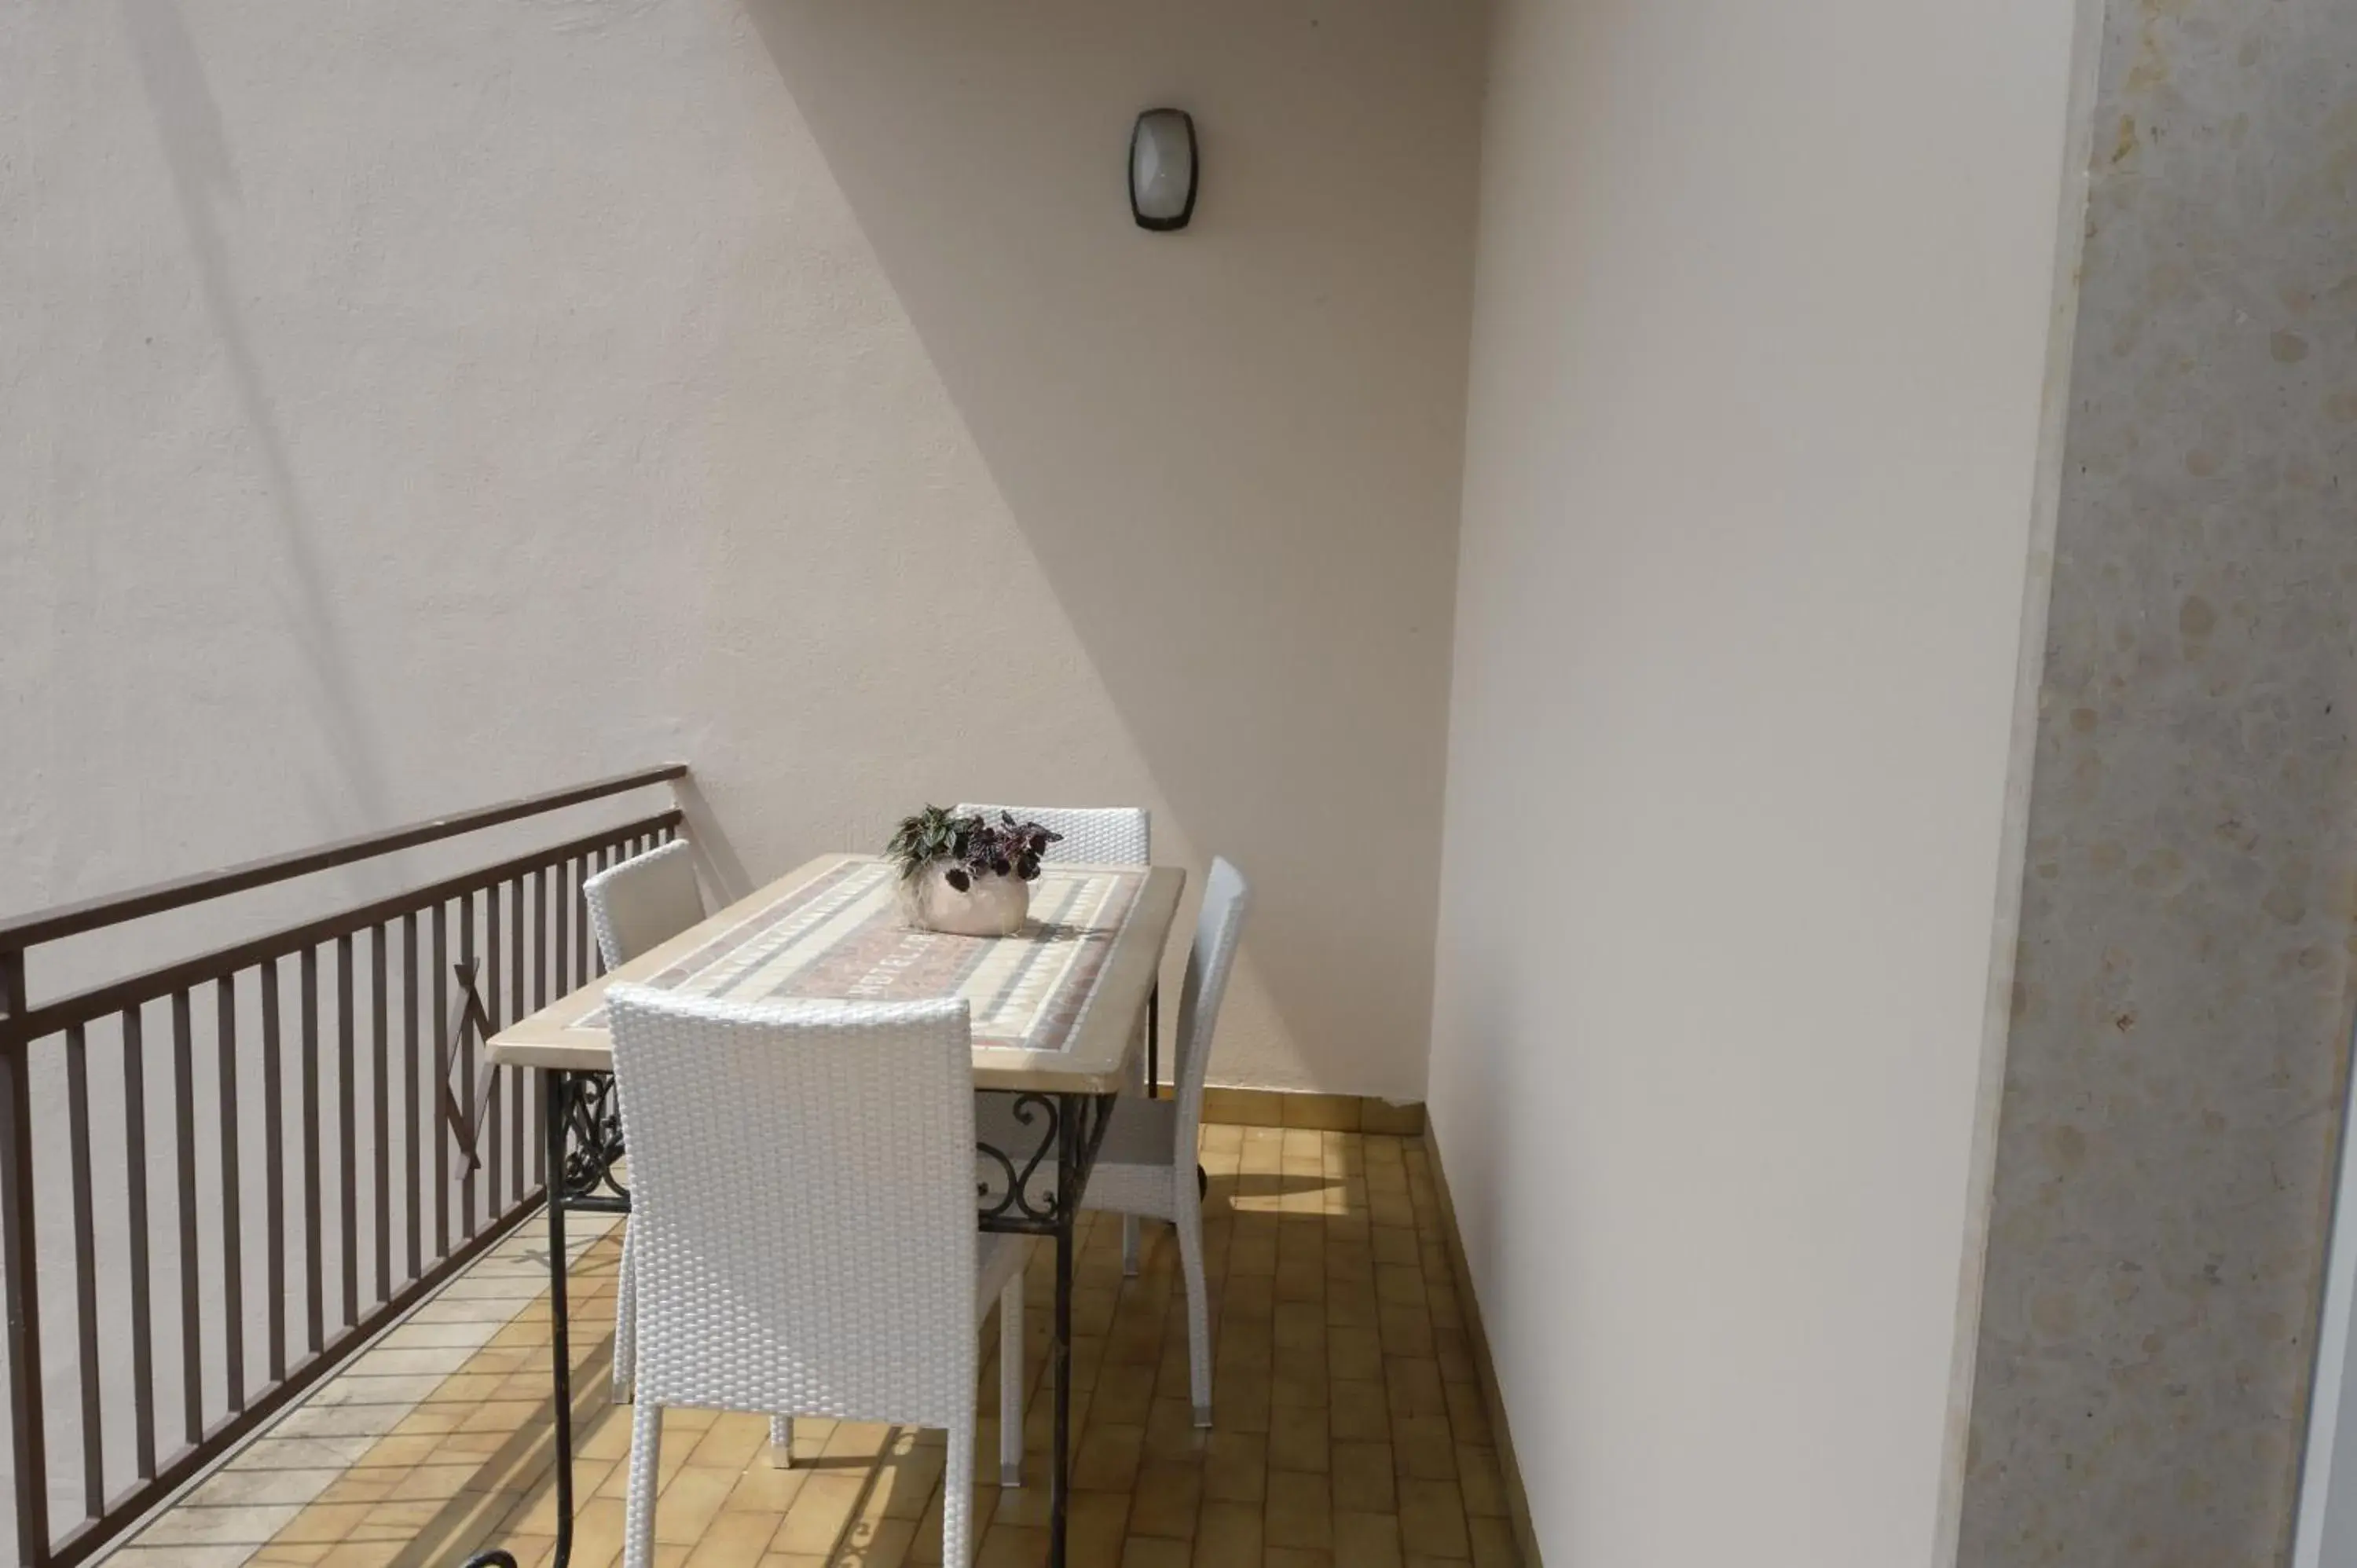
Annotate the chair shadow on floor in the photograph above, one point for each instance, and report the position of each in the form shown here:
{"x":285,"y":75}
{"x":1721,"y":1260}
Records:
{"x":1348,"y":1424}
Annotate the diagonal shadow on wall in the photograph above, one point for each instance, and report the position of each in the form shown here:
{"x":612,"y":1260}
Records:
{"x":1235,"y":451}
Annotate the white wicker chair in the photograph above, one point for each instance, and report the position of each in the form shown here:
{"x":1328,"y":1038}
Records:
{"x":1093,"y":835}
{"x":643,"y":902}
{"x":1147,"y":1163}
{"x":1099,"y":835}
{"x":634,"y":907}
{"x":803,"y":1199}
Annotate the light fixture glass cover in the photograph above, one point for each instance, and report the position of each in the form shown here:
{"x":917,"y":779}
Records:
{"x":1162,"y":169}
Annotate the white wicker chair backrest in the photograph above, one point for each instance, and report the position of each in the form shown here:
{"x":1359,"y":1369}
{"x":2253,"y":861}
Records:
{"x":1093,"y":835}
{"x":1219,"y":927}
{"x":643,"y":902}
{"x":801,"y":1227}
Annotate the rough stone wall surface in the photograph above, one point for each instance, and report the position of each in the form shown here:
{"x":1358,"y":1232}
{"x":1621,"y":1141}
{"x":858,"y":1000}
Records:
{"x":2180,"y":1010}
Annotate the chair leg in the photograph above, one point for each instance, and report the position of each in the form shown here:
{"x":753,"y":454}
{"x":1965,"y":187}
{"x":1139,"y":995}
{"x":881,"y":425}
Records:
{"x":639,"y":1510}
{"x":957,"y":1496}
{"x":1198,"y":1326}
{"x":1010,"y":1383}
{"x":782,"y":1438}
{"x":626,"y":1326}
{"x":1129,"y":1245}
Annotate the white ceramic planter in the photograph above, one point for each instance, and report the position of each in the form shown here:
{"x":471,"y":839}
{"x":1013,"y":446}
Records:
{"x":990,"y":907}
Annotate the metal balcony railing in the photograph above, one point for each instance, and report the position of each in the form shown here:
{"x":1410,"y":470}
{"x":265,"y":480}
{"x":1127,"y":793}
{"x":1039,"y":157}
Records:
{"x":223,"y":1176}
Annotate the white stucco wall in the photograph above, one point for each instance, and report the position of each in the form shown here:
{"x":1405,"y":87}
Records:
{"x":407,"y":405}
{"x":1761,"y":321}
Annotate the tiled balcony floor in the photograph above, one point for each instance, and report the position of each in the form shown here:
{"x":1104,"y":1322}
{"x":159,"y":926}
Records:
{"x":1349,"y":1431}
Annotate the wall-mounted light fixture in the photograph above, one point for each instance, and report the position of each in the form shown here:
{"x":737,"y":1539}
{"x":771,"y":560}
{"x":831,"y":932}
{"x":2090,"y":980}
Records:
{"x":1162,"y":169}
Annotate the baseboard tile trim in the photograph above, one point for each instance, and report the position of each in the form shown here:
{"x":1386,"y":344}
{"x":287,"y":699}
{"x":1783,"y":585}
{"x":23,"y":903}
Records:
{"x":1322,"y":1112}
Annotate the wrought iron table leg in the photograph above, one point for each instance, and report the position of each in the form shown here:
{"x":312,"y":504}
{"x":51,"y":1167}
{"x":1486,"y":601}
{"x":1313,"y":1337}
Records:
{"x":1068,"y":1186}
{"x":559,"y":1317}
{"x":552,"y":1131}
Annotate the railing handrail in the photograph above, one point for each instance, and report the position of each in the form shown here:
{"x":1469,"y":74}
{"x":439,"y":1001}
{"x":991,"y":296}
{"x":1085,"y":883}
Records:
{"x":133,"y":991}
{"x":20,"y":932}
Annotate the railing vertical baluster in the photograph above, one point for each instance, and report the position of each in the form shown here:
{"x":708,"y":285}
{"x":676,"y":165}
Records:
{"x":488,"y":1133}
{"x":604,"y":856}
{"x":466,"y":1060}
{"x":274,"y":1173}
{"x":134,"y":1160}
{"x":441,"y":966}
{"x":184,"y":1149}
{"x":314,"y":1271}
{"x":550,"y":966}
{"x":232,"y":1241}
{"x":409,"y":1039}
{"x":347,"y":1205}
{"x":516,"y":1010}
{"x":577,"y":905}
{"x":560,"y":952}
{"x":20,"y":1273}
{"x":93,"y":1430}
{"x":379,"y":1098}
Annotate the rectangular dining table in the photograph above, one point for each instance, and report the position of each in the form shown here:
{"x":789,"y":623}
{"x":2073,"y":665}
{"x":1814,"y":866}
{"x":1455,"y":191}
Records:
{"x":1058,"y":1009}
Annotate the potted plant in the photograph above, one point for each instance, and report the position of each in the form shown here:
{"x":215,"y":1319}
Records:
{"x":967,"y":875}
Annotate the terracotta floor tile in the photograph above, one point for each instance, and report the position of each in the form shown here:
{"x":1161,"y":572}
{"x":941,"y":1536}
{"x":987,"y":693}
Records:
{"x":1432,"y":1520}
{"x":1146,"y":1551}
{"x":1165,"y":1499}
{"x":1493,"y":1543}
{"x":1350,"y":1431}
{"x":1364,"y":1477}
{"x":908,"y":1477}
{"x":1012,"y":1546}
{"x":1300,"y":1509}
{"x":820,"y":1513}
{"x":1481,"y":1481}
{"x":886,"y":1544}
{"x":1235,"y":1467}
{"x":1228,"y":1533}
{"x":1422,"y":1447}
{"x":324,"y":1521}
{"x":1468,"y":1413}
{"x":1354,"y":1354}
{"x":731,"y":1441}
{"x":1413,"y":1386}
{"x":765,"y":1488}
{"x":732,"y":1541}
{"x":1357,"y":1411}
{"x":1367,"y":1539}
{"x":1297,"y":1438}
{"x":1095,"y":1529}
{"x":363,"y":1554}
{"x":1106,"y":1457}
{"x":1123,"y":1393}
{"x":686,"y":1508}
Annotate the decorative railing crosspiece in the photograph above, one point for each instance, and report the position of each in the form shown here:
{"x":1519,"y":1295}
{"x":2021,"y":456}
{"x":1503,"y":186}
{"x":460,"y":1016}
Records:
{"x":467,"y":1016}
